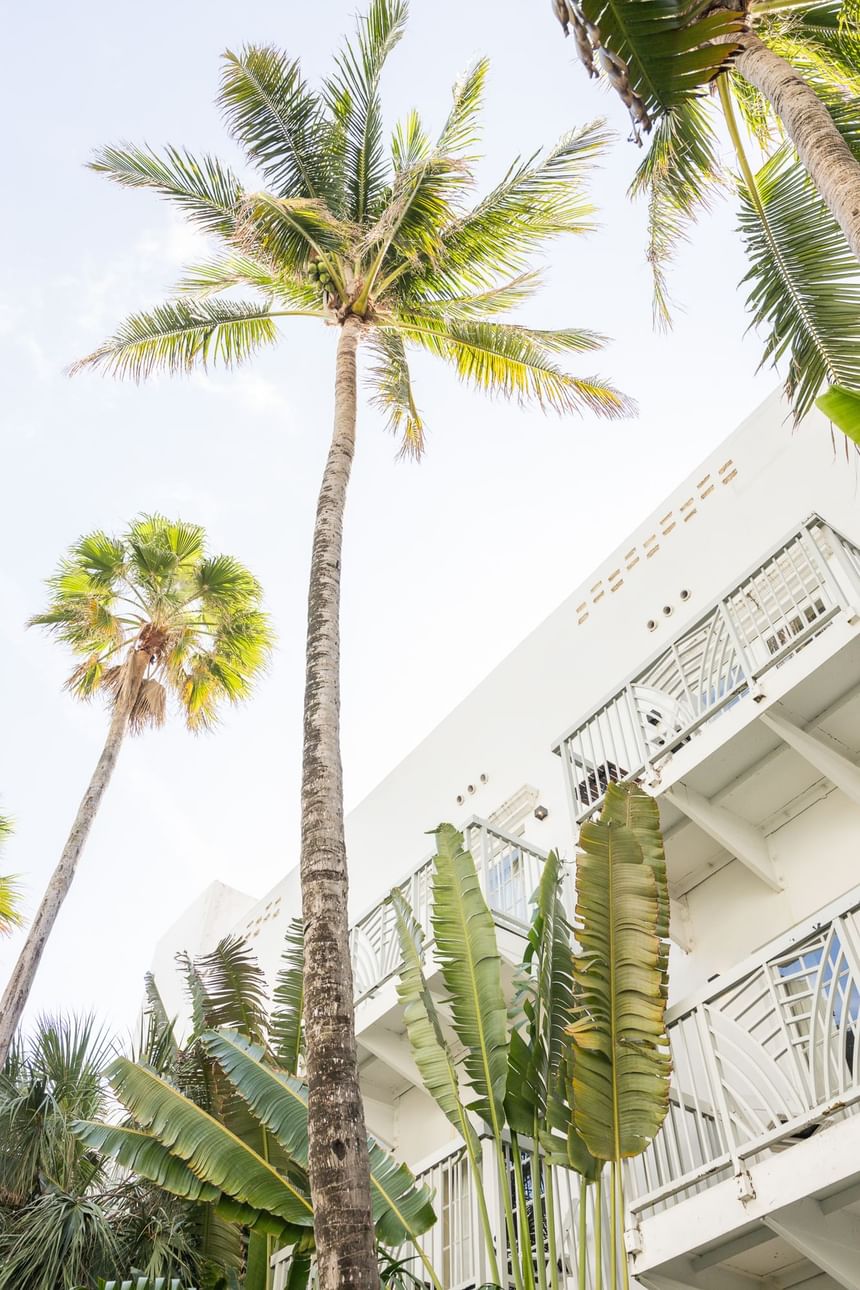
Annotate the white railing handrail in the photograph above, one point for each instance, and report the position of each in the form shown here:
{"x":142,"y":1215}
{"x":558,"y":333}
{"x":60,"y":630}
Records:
{"x":765,"y":616}
{"x":810,"y":522}
{"x":771,"y":949}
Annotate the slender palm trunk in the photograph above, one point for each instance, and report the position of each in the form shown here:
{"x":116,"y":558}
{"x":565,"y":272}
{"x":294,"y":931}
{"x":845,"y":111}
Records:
{"x":24,"y":973}
{"x":831,"y":165}
{"x":337,"y":1138}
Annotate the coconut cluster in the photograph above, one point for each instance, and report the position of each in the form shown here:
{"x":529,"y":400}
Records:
{"x":318,"y":273}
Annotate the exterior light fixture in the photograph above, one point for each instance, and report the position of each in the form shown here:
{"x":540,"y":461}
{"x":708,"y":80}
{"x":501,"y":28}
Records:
{"x":541,"y":812}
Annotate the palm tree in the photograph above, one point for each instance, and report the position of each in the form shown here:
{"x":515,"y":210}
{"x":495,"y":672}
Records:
{"x":791,"y":71}
{"x":148,"y":614}
{"x":10,"y":891}
{"x":386,"y":249}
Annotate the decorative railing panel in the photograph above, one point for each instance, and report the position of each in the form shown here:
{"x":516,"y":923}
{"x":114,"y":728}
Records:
{"x":761,"y":1061}
{"x":771,"y":614}
{"x":509,"y":871}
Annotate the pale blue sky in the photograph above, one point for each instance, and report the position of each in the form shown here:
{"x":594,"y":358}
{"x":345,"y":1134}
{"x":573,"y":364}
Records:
{"x":448,"y":564}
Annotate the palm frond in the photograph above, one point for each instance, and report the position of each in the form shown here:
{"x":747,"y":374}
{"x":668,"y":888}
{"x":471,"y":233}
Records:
{"x":235,"y":987}
{"x":804,"y":282}
{"x":679,"y":173}
{"x":278,"y":120}
{"x":291,"y":231}
{"x":842,"y":407}
{"x":537,"y":200}
{"x":460,"y":131}
{"x":391,"y":384}
{"x":177,"y":337}
{"x":660,"y":53}
{"x":206,"y":190}
{"x":352,"y":95}
{"x":286,"y":1036}
{"x":516,"y":363}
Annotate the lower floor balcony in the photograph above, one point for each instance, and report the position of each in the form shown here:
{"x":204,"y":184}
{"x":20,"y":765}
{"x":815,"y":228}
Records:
{"x":758,"y":1162}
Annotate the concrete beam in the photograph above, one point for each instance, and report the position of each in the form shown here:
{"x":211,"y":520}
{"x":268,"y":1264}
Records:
{"x":687,"y":1279}
{"x":831,"y":1242}
{"x":740,"y":838}
{"x":819,"y":753}
{"x":394,"y":1052}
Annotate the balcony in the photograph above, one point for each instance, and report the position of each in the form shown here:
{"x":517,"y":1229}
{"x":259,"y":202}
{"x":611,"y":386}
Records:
{"x":509,"y":871}
{"x":761,"y":622}
{"x":766,"y":1068}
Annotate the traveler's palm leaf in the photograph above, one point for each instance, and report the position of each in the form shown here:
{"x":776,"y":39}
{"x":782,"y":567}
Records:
{"x":468,"y":955}
{"x":619,"y":1055}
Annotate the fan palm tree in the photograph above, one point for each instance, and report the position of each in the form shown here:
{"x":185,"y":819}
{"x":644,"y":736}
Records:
{"x":384,"y":248}
{"x":10,"y":891}
{"x":148,"y":614}
{"x":791,"y":71}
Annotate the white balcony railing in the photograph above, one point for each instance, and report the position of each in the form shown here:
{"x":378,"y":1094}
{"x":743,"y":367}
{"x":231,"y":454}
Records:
{"x":761,"y":1060}
{"x":764,"y":618}
{"x":509,"y":871}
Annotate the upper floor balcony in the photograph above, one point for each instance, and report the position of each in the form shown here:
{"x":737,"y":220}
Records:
{"x":672,"y":711}
{"x":509,"y":871}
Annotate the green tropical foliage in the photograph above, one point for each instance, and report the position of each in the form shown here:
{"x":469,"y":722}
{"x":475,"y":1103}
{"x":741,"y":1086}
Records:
{"x":65,"y":1217}
{"x":579,"y":1065}
{"x":156,"y":588}
{"x":10,"y":890}
{"x":803,"y":281}
{"x":223,"y":1124}
{"x":336,"y":223}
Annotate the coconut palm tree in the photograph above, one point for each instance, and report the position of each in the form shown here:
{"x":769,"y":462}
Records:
{"x":385,"y":248}
{"x":10,"y":891}
{"x":790,"y":70}
{"x":148,"y":614}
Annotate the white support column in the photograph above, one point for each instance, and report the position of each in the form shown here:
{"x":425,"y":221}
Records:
{"x":831,"y":1242}
{"x":815,"y":750}
{"x":740,"y":838}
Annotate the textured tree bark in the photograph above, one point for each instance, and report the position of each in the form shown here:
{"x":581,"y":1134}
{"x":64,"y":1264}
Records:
{"x":24,"y":973}
{"x":337,"y":1137}
{"x":831,"y":165}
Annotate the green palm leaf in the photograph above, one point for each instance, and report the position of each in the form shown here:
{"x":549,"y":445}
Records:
{"x":278,"y":120}
{"x":285,"y":1027}
{"x":619,"y":1055}
{"x":628,"y":805}
{"x":664,"y":51}
{"x":10,"y":890}
{"x":141,"y":1153}
{"x":352,"y":95}
{"x":178,"y":336}
{"x":468,"y":955}
{"x":516,"y":362}
{"x":391,"y":383}
{"x":205,"y":190}
{"x":236,"y":989}
{"x":207,"y":1146}
{"x":804,"y":281}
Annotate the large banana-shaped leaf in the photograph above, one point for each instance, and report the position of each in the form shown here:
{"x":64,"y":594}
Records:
{"x":401,"y":1208}
{"x":468,"y":956}
{"x":619,"y":1056}
{"x":207,"y":1146}
{"x":542,"y":1006}
{"x":629,"y":805}
{"x":427,"y":1041}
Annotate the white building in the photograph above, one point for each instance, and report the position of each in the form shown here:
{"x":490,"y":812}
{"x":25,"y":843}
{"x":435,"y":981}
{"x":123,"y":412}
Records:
{"x":716,"y":655}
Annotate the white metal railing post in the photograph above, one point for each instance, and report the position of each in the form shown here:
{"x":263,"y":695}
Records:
{"x":847,"y":571}
{"x":724,"y":610}
{"x":715,"y":1078}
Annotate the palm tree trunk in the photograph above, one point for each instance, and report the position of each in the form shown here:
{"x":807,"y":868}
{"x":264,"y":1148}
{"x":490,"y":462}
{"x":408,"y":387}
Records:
{"x":337,"y":1138}
{"x":24,"y":973}
{"x":831,"y":165}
